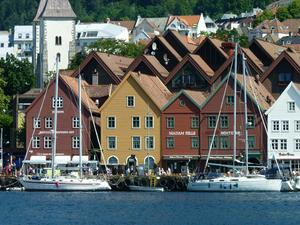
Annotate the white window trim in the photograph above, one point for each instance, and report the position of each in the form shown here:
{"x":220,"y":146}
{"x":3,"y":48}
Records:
{"x":132,"y":142}
{"x":116,"y":142}
{"x":288,"y":106}
{"x":297,"y":150}
{"x":46,"y":124}
{"x":168,"y":123}
{"x":146,"y":147}
{"x":272,"y":126}
{"x":192,"y":147}
{"x":108,"y":123}
{"x":132,"y":122}
{"x":73,"y":146}
{"x":45,"y":142}
{"x":285,"y":131}
{"x":279,"y":147}
{"x":35,"y":119}
{"x":278,"y":144}
{"x":133,"y":101}
{"x":60,"y":99}
{"x":111,"y":157}
{"x":295,"y":125}
{"x":34,"y":141}
{"x":146,"y":122}
{"x":167,"y":142}
{"x":73,"y":122}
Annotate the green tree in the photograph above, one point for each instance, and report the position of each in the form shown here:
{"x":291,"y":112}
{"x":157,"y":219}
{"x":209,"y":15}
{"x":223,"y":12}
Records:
{"x":283,"y":14}
{"x":294,"y":9}
{"x":77,"y":59}
{"x":5,"y":117}
{"x":266,"y":15}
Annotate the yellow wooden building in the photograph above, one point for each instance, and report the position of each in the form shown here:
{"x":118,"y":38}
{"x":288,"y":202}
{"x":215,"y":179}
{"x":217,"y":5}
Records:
{"x":130,"y":121}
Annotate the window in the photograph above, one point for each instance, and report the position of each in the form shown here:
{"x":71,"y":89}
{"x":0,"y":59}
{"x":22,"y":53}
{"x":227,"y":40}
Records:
{"x":212,"y":120}
{"x":284,"y":78}
{"x":47,"y":142}
{"x":75,"y":122}
{"x":214,"y":144}
{"x":75,"y":142}
{"x":58,"y":40}
{"x":113,"y":161}
{"x":92,"y":34}
{"x":170,"y":122}
{"x":149,"y":162}
{"x":285,"y":125}
{"x":188,"y":80}
{"x":35,"y":142}
{"x":195,"y":122}
{"x":224,"y":121}
{"x":36,"y":123}
{"x":230,"y":100}
{"x":195,"y":142}
{"x":48,"y":122}
{"x":130,"y":101}
{"x":250,"y":122}
{"x":19,"y":35}
{"x":111,"y":142}
{"x":182,"y":103}
{"x":291,"y":106}
{"x":149,"y":122}
{"x":170,"y":142}
{"x":224,"y":142}
{"x":149,"y":142}
{"x":59,"y":102}
{"x":135,"y":122}
{"x":274,"y":144}
{"x":111,"y":122}
{"x":297,"y":125}
{"x":297,"y":144}
{"x":136,"y":142}
{"x":27,"y":36}
{"x":2,"y":45}
{"x":58,"y":57}
{"x":19,"y":46}
{"x":283,"y":144}
{"x":275,"y":125}
{"x":251,"y":142}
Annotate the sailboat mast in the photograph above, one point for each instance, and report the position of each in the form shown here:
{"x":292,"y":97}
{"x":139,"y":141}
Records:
{"x":80,"y":125}
{"x":234,"y":105}
{"x":246,"y":113}
{"x":54,"y":137}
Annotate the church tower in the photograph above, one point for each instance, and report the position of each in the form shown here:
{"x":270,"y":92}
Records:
{"x":54,"y":36}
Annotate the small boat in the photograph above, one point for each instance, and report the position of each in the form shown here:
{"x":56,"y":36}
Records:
{"x":145,"y":188}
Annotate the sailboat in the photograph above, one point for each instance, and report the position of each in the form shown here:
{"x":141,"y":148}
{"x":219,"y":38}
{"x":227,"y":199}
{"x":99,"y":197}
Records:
{"x":239,"y":181}
{"x":65,"y":183}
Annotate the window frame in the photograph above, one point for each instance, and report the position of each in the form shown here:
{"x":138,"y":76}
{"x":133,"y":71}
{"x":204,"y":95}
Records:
{"x":215,"y":141}
{"x":209,"y":121}
{"x":278,"y":124}
{"x":132,"y":142}
{"x":132,"y":122}
{"x":193,"y":125}
{"x":108,"y":122}
{"x":36,"y":142}
{"x":146,"y":122}
{"x":75,"y":122}
{"x":75,"y":142}
{"x":35,"y":120}
{"x":168,"y":124}
{"x":197,"y":139}
{"x":133,"y":101}
{"x":60,"y":102}
{"x":108,"y":142}
{"x":167,"y":142}
{"x":48,"y":123}
{"x":146,"y":142}
{"x":47,"y":140}
{"x":289,"y":104}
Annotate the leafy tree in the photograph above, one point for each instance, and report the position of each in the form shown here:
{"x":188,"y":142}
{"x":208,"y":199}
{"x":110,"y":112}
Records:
{"x":231,"y":35}
{"x":266,"y":15}
{"x":77,"y":59}
{"x":283,"y":14}
{"x":294,"y":9}
{"x":5,"y":118}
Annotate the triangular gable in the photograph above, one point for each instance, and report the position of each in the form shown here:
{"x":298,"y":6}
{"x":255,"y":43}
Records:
{"x":291,"y":85}
{"x":254,"y":62}
{"x":202,"y":68}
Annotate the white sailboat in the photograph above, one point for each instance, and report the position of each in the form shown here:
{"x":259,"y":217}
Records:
{"x":65,"y":183}
{"x":239,"y":182}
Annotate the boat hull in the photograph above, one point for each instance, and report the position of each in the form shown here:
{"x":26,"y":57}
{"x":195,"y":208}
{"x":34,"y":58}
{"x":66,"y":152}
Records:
{"x":65,"y":184}
{"x":240,"y":184}
{"x":145,"y":188}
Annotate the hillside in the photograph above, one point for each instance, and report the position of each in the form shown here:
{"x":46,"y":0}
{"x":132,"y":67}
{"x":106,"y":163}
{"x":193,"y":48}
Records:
{"x":20,"y":12}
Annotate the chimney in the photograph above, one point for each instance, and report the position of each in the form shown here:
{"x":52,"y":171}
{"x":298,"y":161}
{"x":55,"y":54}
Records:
{"x":228,"y":47}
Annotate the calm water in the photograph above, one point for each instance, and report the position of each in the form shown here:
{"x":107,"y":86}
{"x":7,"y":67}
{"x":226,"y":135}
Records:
{"x":149,"y":208}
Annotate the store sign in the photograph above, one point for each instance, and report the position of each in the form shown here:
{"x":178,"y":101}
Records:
{"x":230,"y":133}
{"x":286,"y":154}
{"x":182,"y":133}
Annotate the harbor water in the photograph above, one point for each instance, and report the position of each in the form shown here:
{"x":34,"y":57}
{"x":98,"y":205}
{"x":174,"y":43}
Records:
{"x":149,"y":208}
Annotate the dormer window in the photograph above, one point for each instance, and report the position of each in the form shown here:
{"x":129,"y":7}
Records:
{"x":59,"y":102}
{"x":130,"y":101}
{"x":291,"y":106}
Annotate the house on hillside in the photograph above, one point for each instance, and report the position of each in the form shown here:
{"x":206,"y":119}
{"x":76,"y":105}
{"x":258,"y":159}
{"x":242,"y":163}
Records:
{"x":6,"y":44}
{"x":23,"y":42}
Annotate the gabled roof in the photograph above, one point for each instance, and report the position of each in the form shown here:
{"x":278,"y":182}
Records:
{"x":157,"y":23}
{"x":99,"y":91}
{"x":129,"y":24}
{"x":152,"y":86}
{"x":274,"y":25}
{"x":197,"y":62}
{"x":292,"y":24}
{"x":253,"y":60}
{"x":185,"y":41}
{"x":55,"y":9}
{"x":292,"y":57}
{"x":215,"y":42}
{"x":152,"y":63}
{"x":190,"y":21}
{"x":291,"y":85}
{"x":114,"y":65}
{"x":272,"y":50}
{"x":196,"y":97}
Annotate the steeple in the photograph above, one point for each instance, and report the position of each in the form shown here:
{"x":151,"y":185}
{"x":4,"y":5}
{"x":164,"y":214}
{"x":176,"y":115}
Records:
{"x":54,"y":9}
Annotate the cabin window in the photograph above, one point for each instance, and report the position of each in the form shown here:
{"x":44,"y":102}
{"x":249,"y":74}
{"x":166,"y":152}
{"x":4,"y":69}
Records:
{"x":284,"y":78}
{"x":274,"y":144}
{"x":136,"y":142}
{"x":285,"y":125}
{"x":130,"y":101}
{"x":195,"y":122}
{"x":297,"y":144}
{"x":224,"y":121}
{"x":250,"y":121}
{"x":195,"y":142}
{"x":170,"y":142}
{"x":297,"y":125}
{"x":149,"y":142}
{"x":35,"y":142}
{"x":111,"y":122}
{"x":291,"y":106}
{"x":113,"y":160}
{"x":213,"y":144}
{"x":149,"y":122}
{"x":75,"y":122}
{"x":75,"y":142}
{"x":251,"y":142}
{"x":212,"y":121}
{"x":59,"y":102}
{"x":135,"y":122}
{"x":275,"y":125}
{"x":283,"y":144}
{"x":170,"y":122}
{"x":111,"y":142}
{"x":224,"y":142}
{"x":48,"y":122}
{"x":230,"y":100}
{"x":47,"y":142}
{"x":36,"y":123}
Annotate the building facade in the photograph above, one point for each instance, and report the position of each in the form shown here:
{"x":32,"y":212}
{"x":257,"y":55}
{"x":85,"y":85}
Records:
{"x":23,"y":42}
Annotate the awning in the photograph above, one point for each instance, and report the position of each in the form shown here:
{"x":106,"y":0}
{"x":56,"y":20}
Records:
{"x":62,"y":159}
{"x":75,"y":159}
{"x":181,"y":157}
{"x":35,"y":159}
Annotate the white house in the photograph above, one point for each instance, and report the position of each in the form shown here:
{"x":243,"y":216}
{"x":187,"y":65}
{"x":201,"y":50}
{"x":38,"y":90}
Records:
{"x":211,"y":26}
{"x":5,"y":44}
{"x":284,"y":128}
{"x":87,"y":33}
{"x":23,"y":42}
{"x":54,"y":37}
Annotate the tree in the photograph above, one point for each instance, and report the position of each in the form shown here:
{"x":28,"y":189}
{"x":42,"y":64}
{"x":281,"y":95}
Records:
{"x":231,"y":35}
{"x":5,"y":118}
{"x":283,"y":13}
{"x":294,"y":9}
{"x":77,"y":60}
{"x":266,"y":15}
